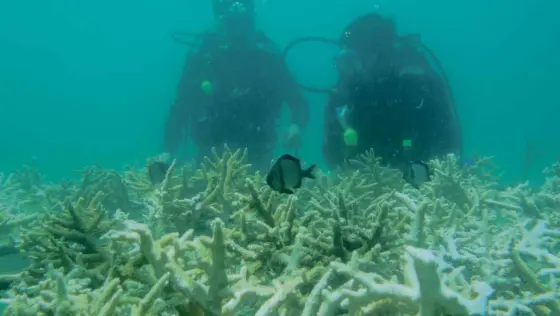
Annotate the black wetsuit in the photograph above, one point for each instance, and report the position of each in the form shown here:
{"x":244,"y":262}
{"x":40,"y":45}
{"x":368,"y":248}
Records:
{"x":399,"y":98}
{"x":249,"y":83}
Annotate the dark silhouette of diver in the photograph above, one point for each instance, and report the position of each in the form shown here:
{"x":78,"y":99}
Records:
{"x":392,"y":95}
{"x":232,"y":89}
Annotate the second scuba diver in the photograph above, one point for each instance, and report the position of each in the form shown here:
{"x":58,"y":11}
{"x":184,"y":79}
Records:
{"x":389,"y":98}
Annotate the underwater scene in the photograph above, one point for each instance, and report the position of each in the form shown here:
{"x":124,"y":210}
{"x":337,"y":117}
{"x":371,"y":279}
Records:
{"x":279,"y":158}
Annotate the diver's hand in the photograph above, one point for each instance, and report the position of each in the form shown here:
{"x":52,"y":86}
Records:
{"x":169,"y":158}
{"x":163,"y":157}
{"x":292,"y":138}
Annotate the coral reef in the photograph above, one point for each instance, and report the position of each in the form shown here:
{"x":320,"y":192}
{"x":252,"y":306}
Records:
{"x":214,"y":239}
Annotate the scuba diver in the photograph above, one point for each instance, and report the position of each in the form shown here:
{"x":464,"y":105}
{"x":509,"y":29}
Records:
{"x":389,"y":98}
{"x":232,"y":89}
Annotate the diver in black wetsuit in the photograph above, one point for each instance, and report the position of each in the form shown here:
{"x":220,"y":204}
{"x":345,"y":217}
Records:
{"x":388,"y":98}
{"x":232,"y":89}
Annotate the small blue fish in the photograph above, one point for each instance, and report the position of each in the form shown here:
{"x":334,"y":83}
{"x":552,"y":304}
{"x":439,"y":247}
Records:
{"x":467,"y":162}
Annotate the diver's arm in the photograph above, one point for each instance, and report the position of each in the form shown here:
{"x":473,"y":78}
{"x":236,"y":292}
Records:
{"x":177,"y":121}
{"x":432,"y":92}
{"x":446,"y":120}
{"x":288,"y":87}
{"x":294,"y":98}
{"x":333,"y":144}
{"x":175,"y":128}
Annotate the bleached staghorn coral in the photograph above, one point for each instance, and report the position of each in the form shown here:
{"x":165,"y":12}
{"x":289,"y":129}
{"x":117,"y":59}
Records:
{"x":65,"y":294}
{"x":472,"y":241}
{"x":476,"y":241}
{"x":537,"y":293}
{"x":189,"y":197}
{"x":204,"y":278}
{"x":66,"y":240}
{"x":325,"y":221}
{"x":548,"y":198}
{"x":354,"y":203}
{"x":424,"y":292}
{"x":21,"y":194}
{"x":23,"y":184}
{"x":284,"y":246}
{"x":200,"y":274}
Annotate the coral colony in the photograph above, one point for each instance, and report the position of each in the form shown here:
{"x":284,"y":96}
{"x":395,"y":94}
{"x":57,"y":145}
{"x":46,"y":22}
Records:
{"x":215,"y":240}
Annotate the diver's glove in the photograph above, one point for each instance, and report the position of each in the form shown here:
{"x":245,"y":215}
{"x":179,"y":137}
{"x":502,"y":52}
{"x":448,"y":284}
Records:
{"x":163,"y":157}
{"x":168,"y":158}
{"x":292,"y":138}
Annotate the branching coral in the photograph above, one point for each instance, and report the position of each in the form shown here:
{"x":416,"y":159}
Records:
{"x":425,"y":291}
{"x":192,"y":198}
{"x":69,"y":240}
{"x":197,"y":269}
{"x":218,"y":241}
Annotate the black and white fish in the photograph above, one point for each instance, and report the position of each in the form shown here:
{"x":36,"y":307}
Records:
{"x":286,"y":174}
{"x":157,"y":171}
{"x":417,"y":173}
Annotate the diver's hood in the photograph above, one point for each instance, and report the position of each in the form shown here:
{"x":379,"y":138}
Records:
{"x":368,"y":33}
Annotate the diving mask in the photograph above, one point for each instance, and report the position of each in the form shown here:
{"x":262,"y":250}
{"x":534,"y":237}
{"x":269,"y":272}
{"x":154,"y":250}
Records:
{"x":348,"y":63}
{"x":237,"y":8}
{"x":227,"y":9}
